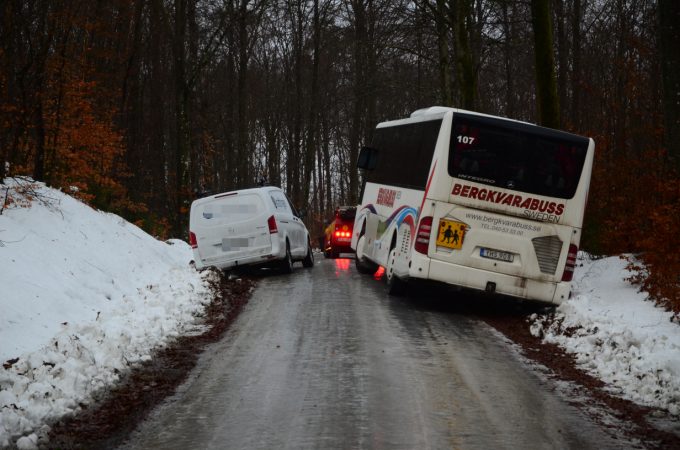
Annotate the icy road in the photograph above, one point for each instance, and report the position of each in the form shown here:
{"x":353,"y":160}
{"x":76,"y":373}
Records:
{"x":324,"y":358}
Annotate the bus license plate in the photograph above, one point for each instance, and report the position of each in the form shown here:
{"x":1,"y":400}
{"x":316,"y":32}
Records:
{"x":496,"y":254}
{"x":450,"y":234}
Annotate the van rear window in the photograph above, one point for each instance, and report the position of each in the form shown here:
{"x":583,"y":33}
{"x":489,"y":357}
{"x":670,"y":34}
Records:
{"x":516,"y":156}
{"x":233,"y":209}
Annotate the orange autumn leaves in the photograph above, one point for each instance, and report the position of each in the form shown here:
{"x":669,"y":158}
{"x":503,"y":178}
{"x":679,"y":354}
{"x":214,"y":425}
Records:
{"x":84,"y":149}
{"x":634,"y":209}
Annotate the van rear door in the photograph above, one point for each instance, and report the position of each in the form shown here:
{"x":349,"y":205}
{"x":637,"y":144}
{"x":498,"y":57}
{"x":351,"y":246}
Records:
{"x":293,"y":228}
{"x":231,"y":226}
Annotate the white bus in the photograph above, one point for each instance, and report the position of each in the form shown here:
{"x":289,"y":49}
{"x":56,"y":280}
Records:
{"x":474,"y":201}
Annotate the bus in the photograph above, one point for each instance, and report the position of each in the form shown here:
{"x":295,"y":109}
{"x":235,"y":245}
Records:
{"x":474,"y":201}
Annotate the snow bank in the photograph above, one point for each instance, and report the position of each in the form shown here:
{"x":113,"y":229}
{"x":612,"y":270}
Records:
{"x":618,"y":336}
{"x":84,"y":294}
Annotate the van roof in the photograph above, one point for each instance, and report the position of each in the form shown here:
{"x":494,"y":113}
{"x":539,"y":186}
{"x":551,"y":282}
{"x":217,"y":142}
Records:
{"x":238,"y":191}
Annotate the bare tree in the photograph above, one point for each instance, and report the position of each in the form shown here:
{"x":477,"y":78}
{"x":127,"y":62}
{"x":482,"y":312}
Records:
{"x":546,"y":82}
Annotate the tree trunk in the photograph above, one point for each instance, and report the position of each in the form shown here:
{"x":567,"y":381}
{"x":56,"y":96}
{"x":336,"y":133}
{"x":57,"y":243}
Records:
{"x":371,"y":79}
{"x":562,"y":53}
{"x":181,"y":114}
{"x":669,"y":36}
{"x":39,"y":161}
{"x":358,"y":108}
{"x":546,"y":83}
{"x":440,"y":19}
{"x":327,"y":164}
{"x":298,"y":39}
{"x":312,"y":125}
{"x":461,"y":20}
{"x":576,"y":73}
{"x":244,"y":157}
{"x":508,"y":61}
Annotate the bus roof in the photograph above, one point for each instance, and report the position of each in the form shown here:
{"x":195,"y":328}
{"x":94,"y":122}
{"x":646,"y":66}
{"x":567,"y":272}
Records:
{"x":441,"y":110}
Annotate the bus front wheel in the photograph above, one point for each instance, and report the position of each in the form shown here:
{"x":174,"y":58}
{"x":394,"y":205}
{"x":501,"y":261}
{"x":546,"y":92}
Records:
{"x":362,"y":264}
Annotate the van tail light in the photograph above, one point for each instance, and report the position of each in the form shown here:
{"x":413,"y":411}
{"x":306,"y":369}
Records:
{"x":345,"y":234}
{"x":271,"y":222}
{"x":192,"y":240}
{"x":423,"y":235}
{"x":571,"y":263}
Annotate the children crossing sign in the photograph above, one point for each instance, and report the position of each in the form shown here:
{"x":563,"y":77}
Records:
{"x":451,"y":234}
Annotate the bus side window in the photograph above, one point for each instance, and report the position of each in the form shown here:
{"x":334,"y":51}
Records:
{"x":368,"y":158}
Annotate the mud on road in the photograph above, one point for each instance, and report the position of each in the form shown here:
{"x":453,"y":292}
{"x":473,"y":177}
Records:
{"x":108,"y":422}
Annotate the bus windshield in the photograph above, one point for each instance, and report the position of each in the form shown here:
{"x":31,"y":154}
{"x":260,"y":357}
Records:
{"x":516,"y":156}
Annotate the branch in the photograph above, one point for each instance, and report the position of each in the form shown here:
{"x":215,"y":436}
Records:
{"x":25,"y":190}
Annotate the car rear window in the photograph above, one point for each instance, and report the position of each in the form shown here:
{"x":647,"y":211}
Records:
{"x":233,"y":208}
{"x":347,"y":213}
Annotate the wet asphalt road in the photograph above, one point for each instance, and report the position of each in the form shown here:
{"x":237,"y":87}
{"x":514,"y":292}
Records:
{"x":325,"y":359}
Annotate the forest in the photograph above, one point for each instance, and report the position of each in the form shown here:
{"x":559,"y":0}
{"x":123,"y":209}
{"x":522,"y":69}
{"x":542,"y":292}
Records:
{"x":139,"y":106}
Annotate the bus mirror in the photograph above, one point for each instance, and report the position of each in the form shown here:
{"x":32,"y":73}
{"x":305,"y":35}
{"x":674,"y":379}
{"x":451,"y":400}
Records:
{"x":368,"y":158}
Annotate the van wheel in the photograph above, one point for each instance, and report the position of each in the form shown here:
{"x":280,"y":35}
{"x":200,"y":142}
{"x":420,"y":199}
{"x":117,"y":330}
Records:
{"x":287,"y":263}
{"x":361,"y":263}
{"x":395,"y":285}
{"x":309,"y":258}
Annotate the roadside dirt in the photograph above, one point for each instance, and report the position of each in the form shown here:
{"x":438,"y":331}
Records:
{"x":514,"y":324}
{"x":108,"y":422}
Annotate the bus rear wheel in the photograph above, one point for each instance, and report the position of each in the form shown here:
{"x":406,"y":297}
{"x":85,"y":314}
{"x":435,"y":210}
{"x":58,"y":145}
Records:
{"x":395,"y":285}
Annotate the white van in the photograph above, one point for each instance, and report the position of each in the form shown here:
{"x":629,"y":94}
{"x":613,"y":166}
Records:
{"x":248,"y":227}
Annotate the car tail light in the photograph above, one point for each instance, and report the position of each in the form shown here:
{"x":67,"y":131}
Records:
{"x":192,"y":240}
{"x":571,"y":263}
{"x":272,"y":225}
{"x":423,"y":235}
{"x":342,"y":232}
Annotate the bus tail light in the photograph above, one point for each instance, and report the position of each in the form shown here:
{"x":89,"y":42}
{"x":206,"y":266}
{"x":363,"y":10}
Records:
{"x":423,"y":235}
{"x":571,"y":263}
{"x":271,"y":222}
{"x":192,"y":240}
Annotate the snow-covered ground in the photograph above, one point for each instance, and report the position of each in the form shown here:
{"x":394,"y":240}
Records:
{"x":85,"y":294}
{"x":618,"y":336}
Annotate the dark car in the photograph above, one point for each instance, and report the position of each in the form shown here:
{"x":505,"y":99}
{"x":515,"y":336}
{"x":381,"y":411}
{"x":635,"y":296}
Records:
{"x":338,"y":233}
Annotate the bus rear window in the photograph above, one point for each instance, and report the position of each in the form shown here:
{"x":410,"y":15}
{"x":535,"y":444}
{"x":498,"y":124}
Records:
{"x":516,"y":156}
